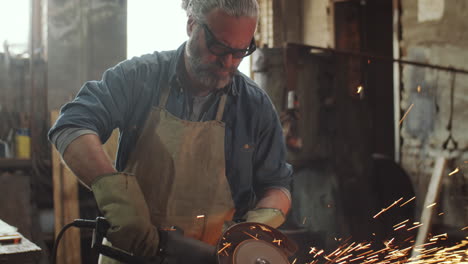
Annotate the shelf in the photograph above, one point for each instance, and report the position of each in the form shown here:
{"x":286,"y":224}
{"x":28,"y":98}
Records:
{"x":15,"y":164}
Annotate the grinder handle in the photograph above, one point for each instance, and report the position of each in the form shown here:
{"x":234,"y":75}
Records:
{"x":181,"y":249}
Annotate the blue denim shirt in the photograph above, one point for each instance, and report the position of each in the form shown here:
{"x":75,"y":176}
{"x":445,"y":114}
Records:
{"x":254,"y":146}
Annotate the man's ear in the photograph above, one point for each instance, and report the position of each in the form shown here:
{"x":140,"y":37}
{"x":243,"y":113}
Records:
{"x":190,"y":25}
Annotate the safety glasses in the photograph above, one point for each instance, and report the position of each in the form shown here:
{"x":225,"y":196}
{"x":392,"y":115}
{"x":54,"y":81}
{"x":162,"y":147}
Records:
{"x":219,"y":49}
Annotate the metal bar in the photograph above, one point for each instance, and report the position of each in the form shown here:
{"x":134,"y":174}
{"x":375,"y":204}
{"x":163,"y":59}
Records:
{"x":383,"y":58}
{"x":33,"y":35}
{"x":396,"y":80}
{"x":432,"y":196}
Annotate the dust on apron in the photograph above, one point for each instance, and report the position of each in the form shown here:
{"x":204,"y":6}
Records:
{"x":180,"y":166}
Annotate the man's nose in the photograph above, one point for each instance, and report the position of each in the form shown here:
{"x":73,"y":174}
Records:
{"x":227,"y":60}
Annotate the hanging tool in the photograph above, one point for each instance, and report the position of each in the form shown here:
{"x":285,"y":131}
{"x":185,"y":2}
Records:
{"x":450,"y":144}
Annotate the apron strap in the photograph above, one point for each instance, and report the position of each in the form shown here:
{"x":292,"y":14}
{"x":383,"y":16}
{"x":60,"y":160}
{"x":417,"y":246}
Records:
{"x":222,"y":103}
{"x":164,"y":96}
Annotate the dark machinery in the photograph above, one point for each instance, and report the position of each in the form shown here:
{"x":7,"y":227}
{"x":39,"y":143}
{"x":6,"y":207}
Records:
{"x":242,"y":243}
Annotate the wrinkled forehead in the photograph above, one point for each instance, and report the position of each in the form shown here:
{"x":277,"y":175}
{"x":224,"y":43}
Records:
{"x":236,"y":32}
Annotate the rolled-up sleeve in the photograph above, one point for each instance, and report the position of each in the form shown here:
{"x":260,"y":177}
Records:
{"x":270,"y":167}
{"x":100,"y":106}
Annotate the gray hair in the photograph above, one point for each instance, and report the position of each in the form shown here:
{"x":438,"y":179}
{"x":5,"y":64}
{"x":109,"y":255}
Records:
{"x":199,"y":8}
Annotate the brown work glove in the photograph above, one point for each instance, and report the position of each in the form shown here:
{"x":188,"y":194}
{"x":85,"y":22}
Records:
{"x":121,"y":200}
{"x":269,"y":216}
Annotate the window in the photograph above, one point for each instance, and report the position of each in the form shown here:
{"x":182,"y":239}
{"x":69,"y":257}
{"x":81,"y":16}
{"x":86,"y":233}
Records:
{"x":156,"y":25}
{"x":14,"y":25}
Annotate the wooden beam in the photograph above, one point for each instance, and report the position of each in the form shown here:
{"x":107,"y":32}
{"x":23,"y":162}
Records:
{"x":66,"y":207}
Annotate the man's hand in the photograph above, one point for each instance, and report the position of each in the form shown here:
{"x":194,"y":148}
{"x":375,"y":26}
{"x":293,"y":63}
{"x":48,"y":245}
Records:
{"x":272,"y":208}
{"x":121,"y":200}
{"x":268,"y":216}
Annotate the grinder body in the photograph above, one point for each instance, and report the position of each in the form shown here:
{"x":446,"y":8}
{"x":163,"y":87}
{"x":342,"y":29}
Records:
{"x":243,"y":243}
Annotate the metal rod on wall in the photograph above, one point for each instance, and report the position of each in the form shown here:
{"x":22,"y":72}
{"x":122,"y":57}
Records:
{"x":389,"y":59}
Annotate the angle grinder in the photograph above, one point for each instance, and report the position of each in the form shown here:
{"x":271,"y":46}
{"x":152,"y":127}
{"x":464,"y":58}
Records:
{"x":242,"y":243}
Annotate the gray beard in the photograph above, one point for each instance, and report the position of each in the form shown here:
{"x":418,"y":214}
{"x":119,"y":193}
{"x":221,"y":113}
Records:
{"x":203,"y":72}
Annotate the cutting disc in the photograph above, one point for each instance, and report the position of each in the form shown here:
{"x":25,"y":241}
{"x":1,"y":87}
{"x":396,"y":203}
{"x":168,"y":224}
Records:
{"x":258,"y":252}
{"x":254,"y":243}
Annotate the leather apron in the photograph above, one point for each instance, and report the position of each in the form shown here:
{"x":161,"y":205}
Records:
{"x":180,"y":166}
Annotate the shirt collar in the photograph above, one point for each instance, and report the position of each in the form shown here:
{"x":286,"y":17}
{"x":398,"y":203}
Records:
{"x":231,"y":88}
{"x":173,"y":78}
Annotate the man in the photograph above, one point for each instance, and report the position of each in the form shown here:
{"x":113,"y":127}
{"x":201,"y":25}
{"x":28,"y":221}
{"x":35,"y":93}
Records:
{"x":200,"y":144}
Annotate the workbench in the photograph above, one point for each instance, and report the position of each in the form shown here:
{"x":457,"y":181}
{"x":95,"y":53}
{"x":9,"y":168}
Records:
{"x":22,"y":251}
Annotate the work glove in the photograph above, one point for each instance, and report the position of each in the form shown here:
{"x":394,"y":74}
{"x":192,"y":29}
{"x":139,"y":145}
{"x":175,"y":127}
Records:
{"x":269,"y":216}
{"x":121,"y":200}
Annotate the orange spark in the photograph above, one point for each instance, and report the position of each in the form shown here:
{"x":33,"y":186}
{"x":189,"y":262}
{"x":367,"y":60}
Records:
{"x":406,"y":114}
{"x":408,"y":201}
{"x":442,"y":235}
{"x":226,"y":245}
{"x":265,"y":229}
{"x":386,"y":209}
{"x":424,"y":245}
{"x":344,"y":258}
{"x":365,"y":253}
{"x":389,"y":242}
{"x":394,"y":203}
{"x":365,"y":246}
{"x":335,"y":252}
{"x":431,"y":205}
{"x":409,"y":238}
{"x":454,"y":172}
{"x":351,"y":260}
{"x":249,"y":235}
{"x":359,"y":89}
{"x":200,"y":216}
{"x":416,"y":226}
{"x":319,"y":253}
{"x":401,"y":223}
{"x":383,"y":210}
{"x":277,"y":241}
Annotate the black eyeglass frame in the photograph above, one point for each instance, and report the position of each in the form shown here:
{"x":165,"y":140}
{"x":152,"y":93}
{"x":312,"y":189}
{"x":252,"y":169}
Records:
{"x":211,"y":40}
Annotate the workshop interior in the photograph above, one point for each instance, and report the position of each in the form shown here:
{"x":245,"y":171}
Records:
{"x":371,"y":98}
